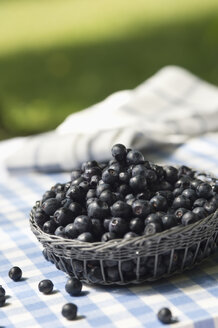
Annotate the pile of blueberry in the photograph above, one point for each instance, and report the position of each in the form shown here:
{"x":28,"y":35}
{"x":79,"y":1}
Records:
{"x":125,"y":198}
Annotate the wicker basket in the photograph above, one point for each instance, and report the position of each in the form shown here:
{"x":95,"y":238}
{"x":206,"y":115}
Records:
{"x":136,"y":260}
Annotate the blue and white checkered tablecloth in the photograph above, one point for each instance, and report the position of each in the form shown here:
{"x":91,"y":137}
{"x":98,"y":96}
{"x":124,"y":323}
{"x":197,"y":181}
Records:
{"x":192,"y":297}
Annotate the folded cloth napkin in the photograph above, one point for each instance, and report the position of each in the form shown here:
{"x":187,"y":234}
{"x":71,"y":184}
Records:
{"x":163,"y":112}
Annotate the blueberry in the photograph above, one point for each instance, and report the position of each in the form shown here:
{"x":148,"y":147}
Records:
{"x":15,"y":273}
{"x":170,"y":173}
{"x":190,"y":194}
{"x":199,"y":202}
{"x":158,"y":170}
{"x":102,"y":187}
{"x":50,"y":206}
{"x":139,"y":169}
{"x":124,"y":177}
{"x":112,"y":274}
{"x":167,"y":194}
{"x":40,"y":217}
{"x":127,"y":266}
{"x":91,"y":171}
{"x":91,"y":193}
{"x":154,"y":217}
{"x":110,"y":176}
{"x":130,"y":235}
{"x":158,"y":203}
{"x":200,"y":212}
{"x":76,"y":182}
{"x":75,"y":208}
{"x":204,"y":190}
{"x":119,"y":152}
{"x":108,"y":197}
{"x":152,"y":228}
{"x":85,"y":185}
{"x":138,"y":183}
{"x":98,"y":209}
{"x":165,"y":315}
{"x":82,"y":223}
{"x":177,"y":191}
{"x":168,"y":221}
{"x":67,"y":186}
{"x":151,"y":176}
{"x":76,"y":193}
{"x":2,"y":291}
{"x":210,"y":207}
{"x":70,"y":231}
{"x":86,"y":237}
{"x":108,"y":236}
{"x":48,"y":194}
{"x":141,"y":208}
{"x":134,"y":157}
{"x":183,"y":182}
{"x":194,"y":183}
{"x":179,"y":213}
{"x":164,"y":185}
{"x":75,"y":174}
{"x":181,"y":201}
{"x":121,"y":209}
{"x":46,"y":286}
{"x":124,"y":189}
{"x":63,"y":216}
{"x":136,"y":225}
{"x":94,"y":181}
{"x":49,"y":226}
{"x":189,"y":218}
{"x":116,"y":167}
{"x":119,"y":226}
{"x":2,"y":300}
{"x":69,"y":311}
{"x":95,"y":275}
{"x":60,"y":196}
{"x":58,"y":187}
{"x":130,"y":201}
{"x":73,"y":286}
{"x":60,"y":232}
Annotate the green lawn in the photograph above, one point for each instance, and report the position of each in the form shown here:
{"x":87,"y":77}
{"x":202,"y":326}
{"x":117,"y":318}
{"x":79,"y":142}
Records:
{"x":58,"y":57}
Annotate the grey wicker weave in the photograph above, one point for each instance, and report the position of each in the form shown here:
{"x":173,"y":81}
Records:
{"x":149,"y":257}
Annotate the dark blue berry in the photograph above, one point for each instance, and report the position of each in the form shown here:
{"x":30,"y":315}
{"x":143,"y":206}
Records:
{"x":86,"y":237}
{"x":210,"y":207}
{"x":91,"y":171}
{"x":189,"y":218}
{"x":119,"y":152}
{"x":127,"y":266}
{"x":110,"y":176}
{"x":102,"y":187}
{"x":94,"y":181}
{"x":70,"y":231}
{"x":199,"y":202}
{"x":158,"y":203}
{"x":75,"y":174}
{"x":82,"y":223}
{"x":168,"y":221}
{"x":45,"y":286}
{"x":119,"y":226}
{"x":134,"y":157}
{"x":190,"y":194}
{"x":183,"y":182}
{"x":69,"y":311}
{"x":40,"y":217}
{"x":124,"y":189}
{"x":152,"y":228}
{"x":95,"y":275}
{"x":98,"y":209}
{"x":177,"y":191}
{"x":15,"y":273}
{"x":181,"y":201}
{"x":73,"y":286}
{"x":121,"y":209}
{"x":76,"y":193}
{"x":50,"y":206}
{"x":60,"y":196}
{"x":124,"y":177}
{"x":200,"y":212}
{"x":179,"y":213}
{"x":63,"y":216}
{"x":97,"y":228}
{"x":75,"y":208}
{"x":136,"y":225}
{"x":49,"y":227}
{"x":141,"y":208}
{"x":165,"y":315}
{"x":146,"y":195}
{"x":106,"y":223}
{"x":170,"y":173}
{"x":185,"y":171}
{"x":138,"y":183}
{"x":76,"y":182}
{"x":154,"y":217}
{"x":60,"y":232}
{"x":108,"y":196}
{"x":48,"y":194}
{"x":204,"y":190}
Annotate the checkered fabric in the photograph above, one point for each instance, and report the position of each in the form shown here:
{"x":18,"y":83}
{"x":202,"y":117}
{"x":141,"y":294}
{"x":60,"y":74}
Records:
{"x":192,"y":296}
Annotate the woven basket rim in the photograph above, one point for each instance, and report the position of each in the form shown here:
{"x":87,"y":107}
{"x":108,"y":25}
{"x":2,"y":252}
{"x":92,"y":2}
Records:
{"x":115,"y":242}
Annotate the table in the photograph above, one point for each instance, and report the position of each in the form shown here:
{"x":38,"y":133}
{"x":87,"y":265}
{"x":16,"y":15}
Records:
{"x":192,"y":296}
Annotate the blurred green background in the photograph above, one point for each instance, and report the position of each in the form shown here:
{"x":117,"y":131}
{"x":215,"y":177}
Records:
{"x":58,"y":57}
